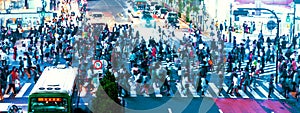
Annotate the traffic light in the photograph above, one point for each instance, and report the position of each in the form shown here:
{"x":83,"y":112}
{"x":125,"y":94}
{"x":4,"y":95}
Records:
{"x":288,"y":18}
{"x":43,"y":13}
{"x":240,"y":12}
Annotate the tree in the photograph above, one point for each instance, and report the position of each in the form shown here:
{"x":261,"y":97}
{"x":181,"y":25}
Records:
{"x":187,"y":13}
{"x":196,"y":9}
{"x":107,"y":100}
{"x":180,"y":6}
{"x":171,"y":2}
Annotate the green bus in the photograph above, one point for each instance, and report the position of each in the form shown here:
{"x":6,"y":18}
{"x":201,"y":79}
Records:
{"x":55,"y":91}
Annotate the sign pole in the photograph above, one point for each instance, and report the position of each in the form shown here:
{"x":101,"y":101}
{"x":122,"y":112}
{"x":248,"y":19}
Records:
{"x":294,"y":21}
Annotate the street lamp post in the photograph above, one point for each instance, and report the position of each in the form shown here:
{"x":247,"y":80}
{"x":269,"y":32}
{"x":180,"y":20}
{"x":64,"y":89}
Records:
{"x":43,"y":12}
{"x":294,"y":20}
{"x":277,"y":34}
{"x":230,"y":23}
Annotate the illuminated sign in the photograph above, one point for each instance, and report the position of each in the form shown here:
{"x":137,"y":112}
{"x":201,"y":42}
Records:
{"x":49,"y":99}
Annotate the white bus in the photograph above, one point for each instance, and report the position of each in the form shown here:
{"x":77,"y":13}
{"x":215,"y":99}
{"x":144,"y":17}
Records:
{"x":55,"y":91}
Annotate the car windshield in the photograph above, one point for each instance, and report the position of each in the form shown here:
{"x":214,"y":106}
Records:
{"x":163,"y":10}
{"x":157,"y":7}
{"x":153,"y":3}
{"x":97,"y":15}
{"x":173,"y":15}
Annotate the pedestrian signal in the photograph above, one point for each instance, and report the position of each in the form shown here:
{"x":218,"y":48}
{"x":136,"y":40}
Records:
{"x":288,"y":18}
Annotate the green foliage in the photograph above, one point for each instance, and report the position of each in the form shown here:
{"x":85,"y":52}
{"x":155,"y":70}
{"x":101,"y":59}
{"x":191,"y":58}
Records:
{"x":196,"y":9}
{"x":187,"y":19}
{"x":187,"y":13}
{"x":171,"y":1}
{"x":106,"y":100}
{"x":180,"y":6}
{"x":179,"y":14}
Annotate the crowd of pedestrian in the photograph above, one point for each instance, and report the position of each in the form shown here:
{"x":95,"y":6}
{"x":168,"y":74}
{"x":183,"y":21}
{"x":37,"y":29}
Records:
{"x":44,"y":45}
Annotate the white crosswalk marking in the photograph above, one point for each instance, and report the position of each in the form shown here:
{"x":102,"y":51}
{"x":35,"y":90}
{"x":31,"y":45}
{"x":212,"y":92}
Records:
{"x":132,"y":90}
{"x":23,"y":90}
{"x":207,"y":94}
{"x":243,"y":94}
{"x":262,"y":91}
{"x":146,"y":95}
{"x":276,"y":93}
{"x":226,"y":88}
{"x":7,"y":95}
{"x":215,"y":89}
{"x":193,"y":91}
{"x":179,"y":87}
{"x":255,"y":95}
{"x":270,"y":68}
{"x":156,"y":91}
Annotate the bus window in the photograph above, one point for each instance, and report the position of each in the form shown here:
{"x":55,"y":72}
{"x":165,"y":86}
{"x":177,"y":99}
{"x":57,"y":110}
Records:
{"x":48,"y":104}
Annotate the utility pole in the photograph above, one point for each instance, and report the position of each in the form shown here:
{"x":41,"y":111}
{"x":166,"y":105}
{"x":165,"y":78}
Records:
{"x":43,"y":12}
{"x":230,"y":23}
{"x":294,"y":21}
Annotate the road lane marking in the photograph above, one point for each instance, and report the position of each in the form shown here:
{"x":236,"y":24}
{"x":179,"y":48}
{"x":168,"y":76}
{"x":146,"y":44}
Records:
{"x":256,"y":96}
{"x":170,"y":111}
{"x":178,"y":85}
{"x":7,"y":95}
{"x":262,"y":91}
{"x":243,"y":94}
{"x":220,"y":111}
{"x":276,"y":93}
{"x":215,"y":89}
{"x":193,"y":91}
{"x":23,"y":90}
{"x":226,"y":88}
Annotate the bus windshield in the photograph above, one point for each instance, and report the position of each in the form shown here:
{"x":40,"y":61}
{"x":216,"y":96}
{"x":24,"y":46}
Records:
{"x":49,"y":105}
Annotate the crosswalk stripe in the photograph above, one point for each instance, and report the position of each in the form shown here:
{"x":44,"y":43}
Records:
{"x":254,"y":94}
{"x":193,"y":91}
{"x":23,"y":90}
{"x":262,"y":91}
{"x":146,"y":95}
{"x":132,"y":90}
{"x":276,"y":93}
{"x":178,"y":85}
{"x":243,"y":94}
{"x":207,"y":94}
{"x":215,"y":89}
{"x":158,"y":95}
{"x":226,"y":88}
{"x":7,"y":95}
{"x":156,"y":91}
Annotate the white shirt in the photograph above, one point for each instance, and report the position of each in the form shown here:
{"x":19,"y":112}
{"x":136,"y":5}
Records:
{"x":235,"y":79}
{"x":3,"y":56}
{"x":25,"y":64}
{"x":89,"y":73}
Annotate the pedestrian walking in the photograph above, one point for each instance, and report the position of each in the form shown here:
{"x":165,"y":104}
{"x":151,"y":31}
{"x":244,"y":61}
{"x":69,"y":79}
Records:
{"x":26,"y":68}
{"x":231,"y":82}
{"x":271,"y":85}
{"x":11,"y":80}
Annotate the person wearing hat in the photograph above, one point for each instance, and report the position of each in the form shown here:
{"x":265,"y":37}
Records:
{"x":271,"y":85}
